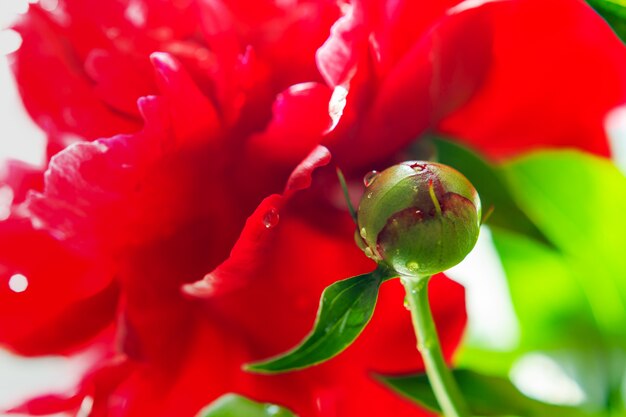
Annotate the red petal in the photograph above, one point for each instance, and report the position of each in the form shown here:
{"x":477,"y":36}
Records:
{"x":337,"y":59}
{"x":21,"y":178}
{"x":387,"y":30}
{"x":193,"y":115}
{"x":68,"y":104}
{"x":438,"y":74}
{"x":549,"y":86}
{"x":49,"y":404}
{"x":300,"y":118}
{"x":119,"y":79}
{"x":39,"y":274}
{"x":257,"y":234}
{"x":284,"y":295}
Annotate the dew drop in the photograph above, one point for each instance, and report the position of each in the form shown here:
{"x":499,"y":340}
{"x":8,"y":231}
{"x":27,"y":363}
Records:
{"x":271,"y":218}
{"x":18,"y":283}
{"x":272,"y":409}
{"x":370,"y":177}
{"x":369,"y":195}
{"x":368,"y":252}
{"x":412,"y":266}
{"x":363,"y":233}
{"x":406,"y":303}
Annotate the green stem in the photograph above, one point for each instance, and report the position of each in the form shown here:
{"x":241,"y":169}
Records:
{"x":443,"y":384}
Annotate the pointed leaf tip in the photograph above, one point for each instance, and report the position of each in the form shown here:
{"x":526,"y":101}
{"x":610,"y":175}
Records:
{"x":345,"y":309}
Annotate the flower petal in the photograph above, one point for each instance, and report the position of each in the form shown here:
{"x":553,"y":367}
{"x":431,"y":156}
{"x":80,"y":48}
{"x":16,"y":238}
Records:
{"x":437,"y":74}
{"x":300,"y":118}
{"x":39,"y":274}
{"x":68,"y":104}
{"x":257,"y":234}
{"x":551,"y":86}
{"x":193,"y":115}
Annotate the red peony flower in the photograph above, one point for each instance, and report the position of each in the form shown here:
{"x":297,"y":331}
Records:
{"x":203,"y":241}
{"x":128,"y":225}
{"x":475,"y":71}
{"x":98,"y":55}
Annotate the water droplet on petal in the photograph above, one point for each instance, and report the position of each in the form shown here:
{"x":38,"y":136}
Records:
{"x":271,"y":218}
{"x":18,"y":283}
{"x":412,"y":266}
{"x":370,"y":177}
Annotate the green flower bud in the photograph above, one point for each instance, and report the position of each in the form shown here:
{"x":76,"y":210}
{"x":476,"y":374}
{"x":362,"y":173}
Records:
{"x":419,"y":218}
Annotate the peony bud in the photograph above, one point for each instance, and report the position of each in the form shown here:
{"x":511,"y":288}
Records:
{"x":419,"y":218}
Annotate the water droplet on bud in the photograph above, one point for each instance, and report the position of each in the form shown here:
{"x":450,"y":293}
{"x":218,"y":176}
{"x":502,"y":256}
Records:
{"x":370,"y":177}
{"x":272,"y":409}
{"x":363,"y":233}
{"x":271,"y":218}
{"x":412,"y":266}
{"x":368,"y":252}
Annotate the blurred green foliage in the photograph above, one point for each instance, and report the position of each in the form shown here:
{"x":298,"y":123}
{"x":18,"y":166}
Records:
{"x":485,"y":395}
{"x":567,"y":282}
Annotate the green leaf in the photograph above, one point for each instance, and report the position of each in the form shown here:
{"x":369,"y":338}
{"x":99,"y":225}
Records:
{"x":570,"y":299}
{"x":579,"y":202}
{"x":491,"y":184}
{"x":486,"y":395}
{"x":233,"y":405}
{"x":345,"y":309}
